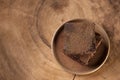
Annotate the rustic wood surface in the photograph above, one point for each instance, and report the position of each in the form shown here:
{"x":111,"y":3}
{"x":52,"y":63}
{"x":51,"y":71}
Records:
{"x":26,"y":30}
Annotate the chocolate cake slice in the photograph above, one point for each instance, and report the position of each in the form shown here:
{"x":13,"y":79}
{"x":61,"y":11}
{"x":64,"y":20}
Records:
{"x":80,"y":41}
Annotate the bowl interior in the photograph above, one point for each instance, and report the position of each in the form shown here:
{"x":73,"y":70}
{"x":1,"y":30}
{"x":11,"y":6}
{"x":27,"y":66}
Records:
{"x":69,"y":64}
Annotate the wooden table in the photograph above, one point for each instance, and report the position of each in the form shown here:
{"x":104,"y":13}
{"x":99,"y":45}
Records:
{"x":26,"y":31}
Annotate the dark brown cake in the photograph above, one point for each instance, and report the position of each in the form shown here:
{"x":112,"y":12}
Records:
{"x":97,"y":58}
{"x":81,"y":42}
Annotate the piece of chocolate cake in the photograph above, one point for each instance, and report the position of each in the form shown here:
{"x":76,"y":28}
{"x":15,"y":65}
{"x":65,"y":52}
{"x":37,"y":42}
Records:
{"x":81,"y":41}
{"x":100,"y":53}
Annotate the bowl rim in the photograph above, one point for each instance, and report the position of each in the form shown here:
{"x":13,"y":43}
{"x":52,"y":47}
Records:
{"x":68,"y":70}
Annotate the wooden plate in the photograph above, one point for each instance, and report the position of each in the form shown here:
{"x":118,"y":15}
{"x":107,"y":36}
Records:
{"x":26,"y":30}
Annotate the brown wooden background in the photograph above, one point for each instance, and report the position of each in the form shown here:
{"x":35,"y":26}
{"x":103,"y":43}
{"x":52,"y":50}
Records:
{"x":26,"y":30}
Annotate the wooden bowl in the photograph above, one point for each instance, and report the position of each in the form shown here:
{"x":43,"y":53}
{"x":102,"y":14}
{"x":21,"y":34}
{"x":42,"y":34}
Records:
{"x":66,"y":62}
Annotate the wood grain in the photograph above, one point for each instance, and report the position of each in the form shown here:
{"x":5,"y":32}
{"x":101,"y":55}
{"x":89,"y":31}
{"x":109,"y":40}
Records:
{"x":27,"y":28}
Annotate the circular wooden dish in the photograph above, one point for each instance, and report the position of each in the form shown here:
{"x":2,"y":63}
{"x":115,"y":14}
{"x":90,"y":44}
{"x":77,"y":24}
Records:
{"x":70,"y":65}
